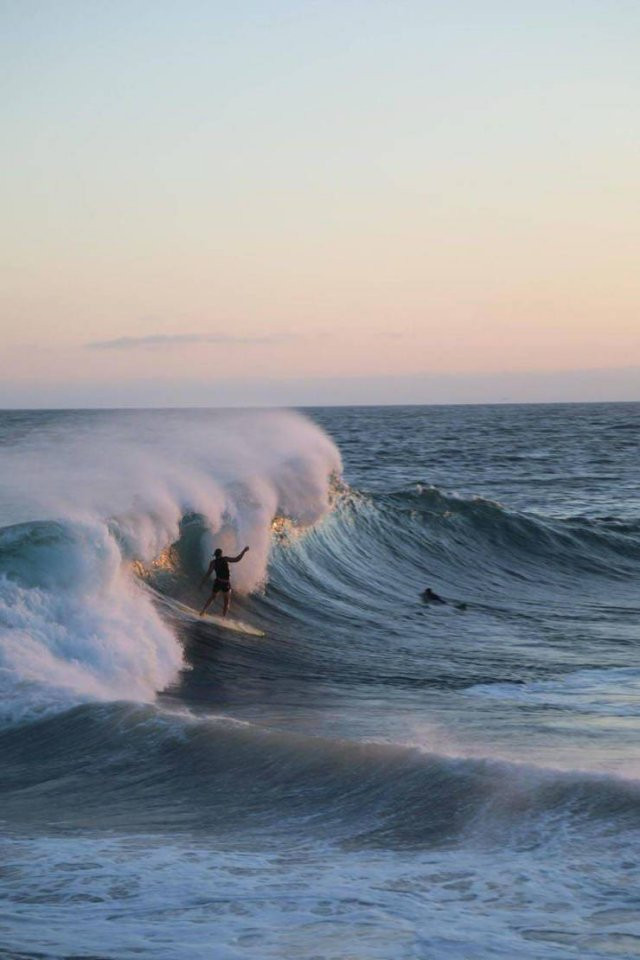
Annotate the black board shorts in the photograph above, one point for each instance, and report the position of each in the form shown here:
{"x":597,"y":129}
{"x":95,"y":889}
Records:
{"x":224,"y":585}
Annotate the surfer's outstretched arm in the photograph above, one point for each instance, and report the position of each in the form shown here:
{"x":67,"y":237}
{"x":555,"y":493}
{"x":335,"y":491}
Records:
{"x":239,"y":557}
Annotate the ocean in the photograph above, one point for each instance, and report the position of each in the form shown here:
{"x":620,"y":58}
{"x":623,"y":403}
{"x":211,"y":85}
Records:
{"x":375,"y":778}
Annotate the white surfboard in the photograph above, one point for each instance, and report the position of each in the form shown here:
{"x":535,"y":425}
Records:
{"x":188,"y":613}
{"x":225,"y":623}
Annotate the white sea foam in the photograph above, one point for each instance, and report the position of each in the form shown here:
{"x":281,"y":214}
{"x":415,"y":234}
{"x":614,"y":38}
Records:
{"x":138,"y":896}
{"x":96,"y":492}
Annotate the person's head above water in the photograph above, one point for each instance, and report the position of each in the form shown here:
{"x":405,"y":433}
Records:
{"x":217,"y":552}
{"x":431,"y":595}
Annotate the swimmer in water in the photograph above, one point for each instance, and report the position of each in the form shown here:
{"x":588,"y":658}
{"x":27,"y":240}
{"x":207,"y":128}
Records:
{"x":430,"y":597}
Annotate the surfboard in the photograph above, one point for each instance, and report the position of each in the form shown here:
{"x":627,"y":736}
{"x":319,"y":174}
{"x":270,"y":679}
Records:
{"x":188,"y":613}
{"x":224,"y":623}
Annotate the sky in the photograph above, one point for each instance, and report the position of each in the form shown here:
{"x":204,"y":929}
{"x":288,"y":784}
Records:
{"x":312,"y":202}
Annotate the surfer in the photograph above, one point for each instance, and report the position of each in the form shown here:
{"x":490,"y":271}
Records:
{"x":222,"y":582}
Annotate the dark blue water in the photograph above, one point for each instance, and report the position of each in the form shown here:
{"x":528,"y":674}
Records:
{"x":376,"y":776}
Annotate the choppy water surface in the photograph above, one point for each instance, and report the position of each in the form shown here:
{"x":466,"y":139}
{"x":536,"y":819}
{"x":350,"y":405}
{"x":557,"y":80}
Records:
{"x":376,"y":777}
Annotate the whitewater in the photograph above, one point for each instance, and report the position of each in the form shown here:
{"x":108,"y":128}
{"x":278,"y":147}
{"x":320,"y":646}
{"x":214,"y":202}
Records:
{"x":375,"y":777}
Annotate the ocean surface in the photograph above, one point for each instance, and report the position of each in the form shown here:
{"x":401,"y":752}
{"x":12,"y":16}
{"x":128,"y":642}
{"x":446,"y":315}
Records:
{"x":376,"y":776}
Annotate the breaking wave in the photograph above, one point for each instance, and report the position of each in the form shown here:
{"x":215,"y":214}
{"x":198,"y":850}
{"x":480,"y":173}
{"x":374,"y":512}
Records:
{"x":117,"y":492}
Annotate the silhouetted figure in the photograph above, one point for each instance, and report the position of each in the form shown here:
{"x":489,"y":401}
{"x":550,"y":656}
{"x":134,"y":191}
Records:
{"x":222,"y":582}
{"x":431,"y":597}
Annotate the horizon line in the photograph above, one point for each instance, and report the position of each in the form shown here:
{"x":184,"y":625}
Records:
{"x":318,"y":406}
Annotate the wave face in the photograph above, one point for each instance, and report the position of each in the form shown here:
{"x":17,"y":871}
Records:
{"x":376,"y":776}
{"x":486,"y":550}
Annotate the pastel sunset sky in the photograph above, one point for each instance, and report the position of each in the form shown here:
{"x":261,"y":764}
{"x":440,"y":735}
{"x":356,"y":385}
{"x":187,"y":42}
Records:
{"x":316,"y":202}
